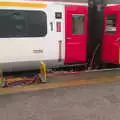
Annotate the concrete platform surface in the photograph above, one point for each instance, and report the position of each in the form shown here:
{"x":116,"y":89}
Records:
{"x":92,"y":102}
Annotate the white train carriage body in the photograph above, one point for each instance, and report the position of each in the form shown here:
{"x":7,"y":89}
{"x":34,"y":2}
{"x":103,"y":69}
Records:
{"x":34,"y":31}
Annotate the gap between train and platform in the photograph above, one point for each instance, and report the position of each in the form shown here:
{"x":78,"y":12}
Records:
{"x":68,"y":81}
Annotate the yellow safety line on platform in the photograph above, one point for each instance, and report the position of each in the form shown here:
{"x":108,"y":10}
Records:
{"x":68,"y":83}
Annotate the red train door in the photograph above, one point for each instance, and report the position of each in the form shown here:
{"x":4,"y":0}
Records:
{"x":76,"y":33}
{"x":111,"y":40}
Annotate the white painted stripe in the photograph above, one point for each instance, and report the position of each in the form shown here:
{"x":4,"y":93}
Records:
{"x":102,"y":70}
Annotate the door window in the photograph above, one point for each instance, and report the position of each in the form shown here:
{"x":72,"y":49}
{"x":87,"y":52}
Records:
{"x":111,"y":24}
{"x":77,"y":24}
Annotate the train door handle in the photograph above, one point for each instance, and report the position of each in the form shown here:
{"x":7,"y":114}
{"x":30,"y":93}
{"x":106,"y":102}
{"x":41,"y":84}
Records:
{"x":68,"y":38}
{"x":118,"y":39}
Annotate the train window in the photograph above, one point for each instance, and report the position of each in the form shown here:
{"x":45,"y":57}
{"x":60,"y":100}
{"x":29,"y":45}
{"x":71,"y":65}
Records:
{"x":77,"y":23}
{"x":37,"y":24}
{"x":111,"y":24}
{"x":19,"y":23}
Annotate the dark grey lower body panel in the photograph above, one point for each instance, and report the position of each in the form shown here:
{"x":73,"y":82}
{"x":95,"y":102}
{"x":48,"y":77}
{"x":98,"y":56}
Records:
{"x":28,"y":65}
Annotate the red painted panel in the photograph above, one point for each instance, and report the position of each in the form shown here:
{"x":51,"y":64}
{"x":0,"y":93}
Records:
{"x":115,"y":53}
{"x":76,"y":39}
{"x":111,"y":41}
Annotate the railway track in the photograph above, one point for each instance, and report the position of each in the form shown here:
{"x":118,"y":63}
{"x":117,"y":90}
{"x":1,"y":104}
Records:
{"x":65,"y":79}
{"x":63,"y":75}
{"x":85,"y":74}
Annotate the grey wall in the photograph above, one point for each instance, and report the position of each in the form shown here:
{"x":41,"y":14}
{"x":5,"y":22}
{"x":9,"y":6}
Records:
{"x":113,"y":1}
{"x":68,"y":0}
{"x":108,"y":1}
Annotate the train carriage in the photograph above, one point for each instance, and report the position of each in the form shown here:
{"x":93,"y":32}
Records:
{"x":52,"y":31}
{"x":34,"y":31}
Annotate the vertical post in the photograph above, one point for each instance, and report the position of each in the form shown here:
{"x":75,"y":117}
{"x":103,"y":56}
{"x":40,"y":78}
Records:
{"x":43,"y":72}
{"x":60,"y":50}
{"x":95,"y":29}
